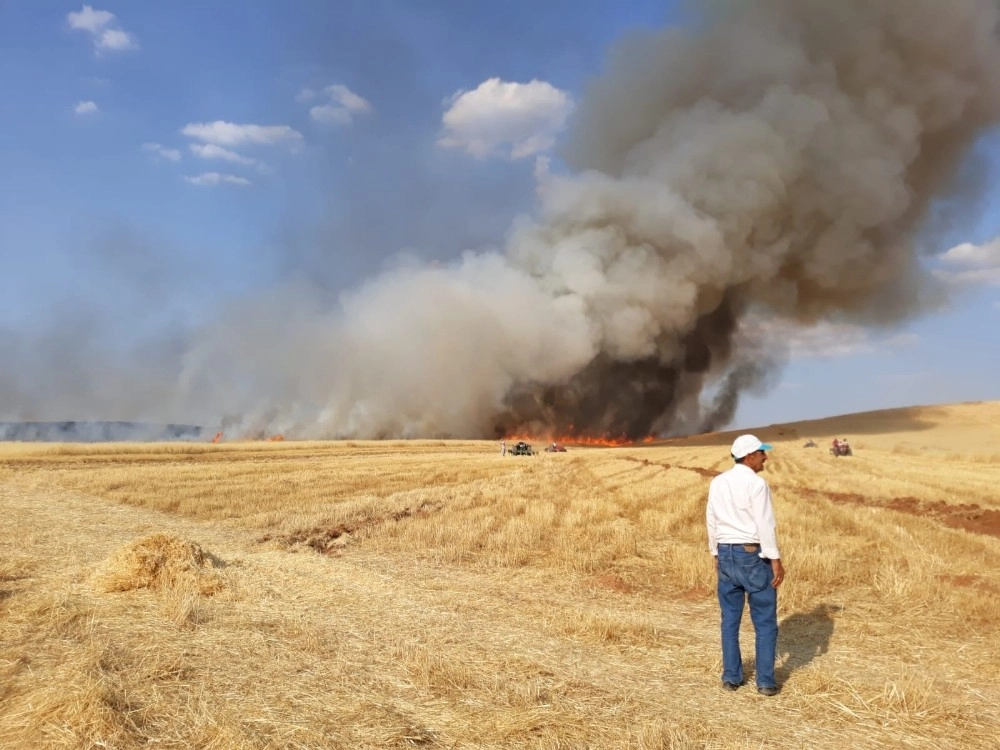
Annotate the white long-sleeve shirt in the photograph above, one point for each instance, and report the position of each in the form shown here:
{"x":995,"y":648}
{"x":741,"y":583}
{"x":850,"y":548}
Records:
{"x":740,"y":512}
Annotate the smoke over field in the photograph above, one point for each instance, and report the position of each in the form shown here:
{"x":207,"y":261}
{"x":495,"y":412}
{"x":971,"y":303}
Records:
{"x":777,"y":162}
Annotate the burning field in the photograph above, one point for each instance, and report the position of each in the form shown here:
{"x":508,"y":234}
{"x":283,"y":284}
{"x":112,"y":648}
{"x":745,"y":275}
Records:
{"x":374,"y":594}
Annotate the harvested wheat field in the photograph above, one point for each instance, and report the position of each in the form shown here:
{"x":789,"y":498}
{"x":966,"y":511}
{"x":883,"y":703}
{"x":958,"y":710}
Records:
{"x":433,"y":594}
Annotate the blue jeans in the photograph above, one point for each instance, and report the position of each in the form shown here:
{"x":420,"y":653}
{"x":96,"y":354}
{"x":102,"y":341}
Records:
{"x":746,"y":577}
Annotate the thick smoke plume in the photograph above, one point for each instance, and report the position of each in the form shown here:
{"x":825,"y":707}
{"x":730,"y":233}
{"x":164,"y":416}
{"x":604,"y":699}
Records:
{"x":779,"y":161}
{"x":779,"y":164}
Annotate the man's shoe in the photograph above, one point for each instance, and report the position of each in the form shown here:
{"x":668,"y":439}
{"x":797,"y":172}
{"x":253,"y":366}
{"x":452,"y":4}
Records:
{"x":730,"y":686}
{"x":767,"y":690}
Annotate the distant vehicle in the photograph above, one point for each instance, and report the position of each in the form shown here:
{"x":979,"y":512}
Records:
{"x":522,"y":448}
{"x":556,"y":448}
{"x":841,"y":448}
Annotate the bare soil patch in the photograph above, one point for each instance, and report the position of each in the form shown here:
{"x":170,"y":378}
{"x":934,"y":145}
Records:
{"x":696,"y":594}
{"x":710,"y":473}
{"x":970,"y":582}
{"x":612,"y":582}
{"x":967,"y":516}
{"x":330,"y":539}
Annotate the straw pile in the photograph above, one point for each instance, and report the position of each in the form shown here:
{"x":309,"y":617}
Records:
{"x":161,"y":562}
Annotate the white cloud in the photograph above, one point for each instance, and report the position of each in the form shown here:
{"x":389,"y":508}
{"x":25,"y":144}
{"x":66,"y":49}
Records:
{"x":975,"y":256}
{"x":211,"y":179}
{"x":522,"y":117}
{"x":223,"y":133}
{"x":116,"y":39}
{"x":170,"y":154}
{"x":103,"y":28}
{"x":969,"y":264}
{"x":344,"y":105}
{"x":89,"y":19}
{"x":85,"y":108}
{"x":972,"y":277}
{"x":330,"y":115}
{"x":211,"y":151}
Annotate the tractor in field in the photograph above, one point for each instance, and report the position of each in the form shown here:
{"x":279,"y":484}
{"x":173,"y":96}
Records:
{"x":522,"y":448}
{"x":555,"y":448}
{"x":841,"y":448}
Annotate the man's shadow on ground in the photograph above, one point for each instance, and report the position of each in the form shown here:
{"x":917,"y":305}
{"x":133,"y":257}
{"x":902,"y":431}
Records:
{"x":802,"y":637}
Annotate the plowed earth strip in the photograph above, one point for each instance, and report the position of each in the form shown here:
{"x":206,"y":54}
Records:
{"x":967,"y":516}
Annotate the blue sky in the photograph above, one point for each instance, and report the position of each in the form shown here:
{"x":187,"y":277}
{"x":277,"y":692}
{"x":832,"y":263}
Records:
{"x":68,"y":177}
{"x":126,"y":198}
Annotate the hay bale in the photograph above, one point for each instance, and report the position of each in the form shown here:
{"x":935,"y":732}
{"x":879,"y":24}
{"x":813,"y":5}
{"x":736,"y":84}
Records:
{"x":161,"y":561}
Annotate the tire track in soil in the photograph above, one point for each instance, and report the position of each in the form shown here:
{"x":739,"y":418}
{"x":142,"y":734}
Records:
{"x":328,"y":539}
{"x":710,"y":473}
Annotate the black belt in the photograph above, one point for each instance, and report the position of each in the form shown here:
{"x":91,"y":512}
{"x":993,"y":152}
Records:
{"x":755,"y":545}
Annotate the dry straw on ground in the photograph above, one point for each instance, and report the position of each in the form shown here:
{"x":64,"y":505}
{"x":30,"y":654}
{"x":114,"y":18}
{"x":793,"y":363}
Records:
{"x":160,"y":561}
{"x":434,"y":594}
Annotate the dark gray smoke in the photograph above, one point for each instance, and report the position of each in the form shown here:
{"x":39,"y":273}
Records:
{"x":778,"y":162}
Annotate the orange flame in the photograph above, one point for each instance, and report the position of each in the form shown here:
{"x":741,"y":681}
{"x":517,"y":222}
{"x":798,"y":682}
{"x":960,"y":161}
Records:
{"x":275,"y":438}
{"x":218,"y":437}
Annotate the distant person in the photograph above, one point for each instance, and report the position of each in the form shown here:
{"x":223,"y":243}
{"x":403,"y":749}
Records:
{"x":836,"y":446}
{"x":503,"y":447}
{"x":742,"y":538}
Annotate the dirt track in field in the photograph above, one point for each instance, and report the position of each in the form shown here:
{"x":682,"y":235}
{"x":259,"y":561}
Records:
{"x":966,"y":516}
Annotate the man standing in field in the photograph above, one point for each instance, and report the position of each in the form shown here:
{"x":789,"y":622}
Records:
{"x":742,"y":538}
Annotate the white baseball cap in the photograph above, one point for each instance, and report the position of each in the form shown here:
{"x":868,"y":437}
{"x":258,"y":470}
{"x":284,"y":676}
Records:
{"x":744,"y":445}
